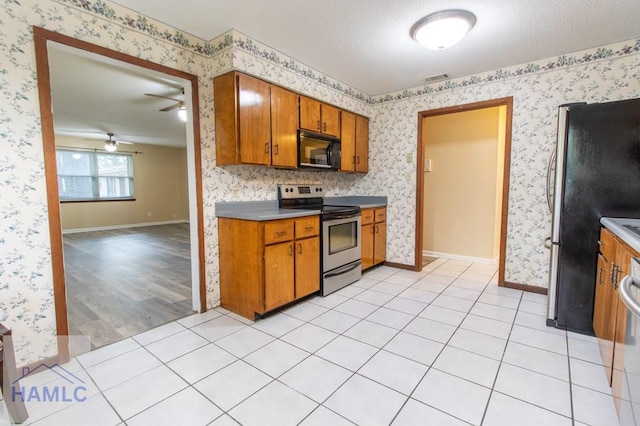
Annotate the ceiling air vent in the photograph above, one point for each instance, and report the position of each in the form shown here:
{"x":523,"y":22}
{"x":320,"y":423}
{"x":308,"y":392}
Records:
{"x":434,"y":78}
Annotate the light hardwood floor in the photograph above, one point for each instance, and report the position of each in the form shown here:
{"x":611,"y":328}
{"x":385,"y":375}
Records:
{"x":122,"y":282}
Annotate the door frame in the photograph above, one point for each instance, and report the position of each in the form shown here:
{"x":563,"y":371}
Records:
{"x":508,"y":103}
{"x":41,"y":37}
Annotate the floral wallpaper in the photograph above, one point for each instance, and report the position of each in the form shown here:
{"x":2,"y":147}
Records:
{"x":26,"y":289}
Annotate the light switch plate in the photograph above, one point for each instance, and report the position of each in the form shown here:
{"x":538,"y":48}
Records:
{"x":427,"y":165}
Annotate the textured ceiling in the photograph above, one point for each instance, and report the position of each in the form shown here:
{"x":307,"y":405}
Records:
{"x":366,"y":43}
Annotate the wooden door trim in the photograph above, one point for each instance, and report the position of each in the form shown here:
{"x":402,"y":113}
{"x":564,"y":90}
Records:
{"x":508,"y":103}
{"x":41,"y":37}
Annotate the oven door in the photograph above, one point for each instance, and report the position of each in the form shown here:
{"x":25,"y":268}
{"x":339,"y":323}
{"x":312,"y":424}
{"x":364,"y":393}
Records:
{"x":341,"y":241}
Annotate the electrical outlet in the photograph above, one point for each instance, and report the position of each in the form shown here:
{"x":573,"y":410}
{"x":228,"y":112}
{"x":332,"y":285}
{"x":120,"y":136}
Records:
{"x":409,"y":158}
{"x":148,"y":214}
{"x":234,"y":192}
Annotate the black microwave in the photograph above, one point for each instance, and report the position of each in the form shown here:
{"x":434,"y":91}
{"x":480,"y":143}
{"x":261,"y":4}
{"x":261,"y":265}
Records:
{"x":318,"y":151}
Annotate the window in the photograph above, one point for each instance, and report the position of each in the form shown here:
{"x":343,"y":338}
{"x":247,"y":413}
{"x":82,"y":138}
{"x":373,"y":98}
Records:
{"x":89,"y":176}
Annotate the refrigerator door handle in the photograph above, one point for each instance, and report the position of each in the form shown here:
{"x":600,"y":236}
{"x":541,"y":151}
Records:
{"x":550,"y":180}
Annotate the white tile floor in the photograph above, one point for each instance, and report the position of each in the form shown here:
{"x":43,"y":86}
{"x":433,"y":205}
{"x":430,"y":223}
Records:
{"x":446,"y":346}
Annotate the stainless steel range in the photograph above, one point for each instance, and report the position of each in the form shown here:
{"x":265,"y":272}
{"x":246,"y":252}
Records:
{"x":340,"y":238}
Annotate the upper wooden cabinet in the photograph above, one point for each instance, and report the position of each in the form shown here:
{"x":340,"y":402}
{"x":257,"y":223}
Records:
{"x":284,"y":127}
{"x":355,"y":143}
{"x":319,"y":117}
{"x":255,"y":122}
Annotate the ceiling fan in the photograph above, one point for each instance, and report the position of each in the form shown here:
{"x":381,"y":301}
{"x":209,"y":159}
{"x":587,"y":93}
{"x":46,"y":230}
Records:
{"x":179,"y":104}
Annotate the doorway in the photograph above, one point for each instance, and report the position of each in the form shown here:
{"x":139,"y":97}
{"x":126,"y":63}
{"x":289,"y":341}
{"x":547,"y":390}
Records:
{"x":193,"y":179}
{"x":437,"y":228}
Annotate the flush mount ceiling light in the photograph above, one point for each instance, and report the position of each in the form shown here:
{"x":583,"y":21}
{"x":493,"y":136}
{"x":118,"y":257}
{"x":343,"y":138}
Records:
{"x":443,"y":29}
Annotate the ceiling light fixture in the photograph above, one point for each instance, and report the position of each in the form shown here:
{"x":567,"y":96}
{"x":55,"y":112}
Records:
{"x":182,"y":112}
{"x":443,"y":29}
{"x":110,"y":146}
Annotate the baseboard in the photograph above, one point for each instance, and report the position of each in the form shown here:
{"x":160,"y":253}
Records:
{"x":130,"y":225}
{"x":482,"y":260}
{"x":526,"y":287}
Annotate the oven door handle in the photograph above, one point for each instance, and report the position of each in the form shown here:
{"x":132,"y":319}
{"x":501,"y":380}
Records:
{"x":343,"y":269}
{"x":335,"y":216}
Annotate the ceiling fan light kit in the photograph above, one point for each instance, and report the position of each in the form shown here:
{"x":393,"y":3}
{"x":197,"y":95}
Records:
{"x":443,"y":29}
{"x":110,"y":145}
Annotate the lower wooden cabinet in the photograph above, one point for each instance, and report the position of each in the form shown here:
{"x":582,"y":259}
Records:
{"x":374,"y":236}
{"x":267,"y":264}
{"x":610,"y":313}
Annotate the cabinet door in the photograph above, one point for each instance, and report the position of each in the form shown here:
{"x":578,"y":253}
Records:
{"x":367,"y":245}
{"x":362,"y":144}
{"x":380,"y":243}
{"x":310,"y":114}
{"x":307,"y":266}
{"x":278,"y":275}
{"x":254,"y":119}
{"x":330,"y":120}
{"x":348,"y":142}
{"x":284,"y":128}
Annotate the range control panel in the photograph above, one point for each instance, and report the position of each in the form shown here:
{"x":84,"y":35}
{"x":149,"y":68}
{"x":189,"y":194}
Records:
{"x":292,"y":191}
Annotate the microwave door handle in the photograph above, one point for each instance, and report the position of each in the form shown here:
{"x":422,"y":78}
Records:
{"x":329,"y":161}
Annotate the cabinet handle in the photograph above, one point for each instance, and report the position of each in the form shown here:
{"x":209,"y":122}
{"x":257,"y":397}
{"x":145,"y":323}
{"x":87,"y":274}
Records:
{"x":358,"y":159}
{"x":614,"y":276}
{"x":318,"y":124}
{"x":290,"y":250}
{"x":377,"y":230}
{"x":324,"y":126}
{"x":299,"y":248}
{"x":309,"y":228}
{"x":281,"y":233}
{"x":266,"y":148}
{"x":353,"y":160}
{"x":275,"y":149}
{"x":600,"y":276}
{"x":373,"y":230}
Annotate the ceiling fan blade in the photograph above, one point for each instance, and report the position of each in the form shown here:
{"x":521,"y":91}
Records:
{"x":163,"y":97}
{"x":170,"y":107}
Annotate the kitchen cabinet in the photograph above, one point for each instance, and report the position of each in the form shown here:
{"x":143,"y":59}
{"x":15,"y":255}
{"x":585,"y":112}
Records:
{"x":255,"y":122}
{"x":319,"y":117}
{"x":267,"y":264}
{"x":609,"y":314}
{"x":354,"y":136}
{"x":374,"y":236}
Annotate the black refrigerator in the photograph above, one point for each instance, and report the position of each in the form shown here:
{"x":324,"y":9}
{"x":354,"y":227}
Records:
{"x":597,"y":173}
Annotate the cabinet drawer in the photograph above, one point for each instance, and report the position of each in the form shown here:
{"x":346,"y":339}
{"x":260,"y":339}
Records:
{"x":381,"y":215}
{"x":367,"y":216}
{"x":307,"y":227}
{"x":277,"y":231}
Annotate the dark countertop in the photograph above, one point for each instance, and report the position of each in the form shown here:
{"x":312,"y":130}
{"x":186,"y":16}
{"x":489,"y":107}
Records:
{"x":617,"y":226}
{"x":269,"y":210}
